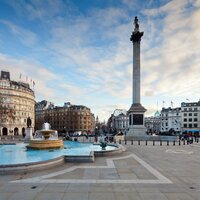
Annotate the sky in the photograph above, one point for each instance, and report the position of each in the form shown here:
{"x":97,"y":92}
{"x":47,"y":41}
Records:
{"x":79,"y":51}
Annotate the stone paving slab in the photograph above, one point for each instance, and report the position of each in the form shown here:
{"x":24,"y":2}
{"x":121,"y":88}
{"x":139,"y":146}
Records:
{"x":49,"y":196}
{"x":153,"y":196}
{"x":101,"y":196}
{"x":178,"y":196}
{"x":76,"y":195}
{"x":127,"y":196}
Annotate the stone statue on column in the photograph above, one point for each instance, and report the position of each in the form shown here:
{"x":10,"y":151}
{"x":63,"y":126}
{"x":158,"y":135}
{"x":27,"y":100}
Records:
{"x":28,"y":122}
{"x":136,"y":24}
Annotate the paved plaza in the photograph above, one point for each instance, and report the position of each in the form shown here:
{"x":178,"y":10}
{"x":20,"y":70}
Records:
{"x":140,"y":173}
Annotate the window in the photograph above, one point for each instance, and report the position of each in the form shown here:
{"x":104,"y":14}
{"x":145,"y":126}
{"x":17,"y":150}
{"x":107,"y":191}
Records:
{"x":195,"y":125}
{"x":166,"y":124}
{"x":195,"y":119}
{"x":185,"y":120}
{"x":195,"y":114}
{"x":185,"y":125}
{"x":190,"y":125}
{"x":190,"y":114}
{"x":190,"y":109}
{"x":195,"y":109}
{"x":185,"y":109}
{"x":190,"y":119}
{"x":185,"y":114}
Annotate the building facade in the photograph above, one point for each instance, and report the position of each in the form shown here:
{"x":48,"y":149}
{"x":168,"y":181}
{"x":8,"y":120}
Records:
{"x":17,"y":103}
{"x":68,"y":118}
{"x":170,"y":120}
{"x":190,"y":114}
{"x":118,"y":122}
{"x":153,"y":123}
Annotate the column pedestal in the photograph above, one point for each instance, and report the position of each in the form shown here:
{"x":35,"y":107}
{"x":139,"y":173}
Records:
{"x":29,"y":134}
{"x":136,"y":122}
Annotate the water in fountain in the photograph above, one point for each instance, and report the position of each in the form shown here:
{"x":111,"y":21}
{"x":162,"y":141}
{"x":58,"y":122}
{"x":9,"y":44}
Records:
{"x":46,"y":126}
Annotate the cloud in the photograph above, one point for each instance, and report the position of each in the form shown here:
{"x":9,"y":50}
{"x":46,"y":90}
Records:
{"x":36,"y":9}
{"x":173,"y":70}
{"x":25,"y":36}
{"x":149,"y":93}
{"x":33,"y":71}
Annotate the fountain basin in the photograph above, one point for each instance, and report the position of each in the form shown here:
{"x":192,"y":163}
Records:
{"x":16,"y":159}
{"x":45,"y":144}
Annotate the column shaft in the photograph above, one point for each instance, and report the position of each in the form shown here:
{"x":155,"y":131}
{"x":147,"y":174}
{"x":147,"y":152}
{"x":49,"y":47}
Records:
{"x":136,"y":73}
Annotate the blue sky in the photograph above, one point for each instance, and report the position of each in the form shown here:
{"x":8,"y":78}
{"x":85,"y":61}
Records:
{"x":80,"y":50}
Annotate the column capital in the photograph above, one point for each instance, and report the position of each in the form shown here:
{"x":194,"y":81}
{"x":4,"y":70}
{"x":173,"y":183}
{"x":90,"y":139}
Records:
{"x":136,"y":36}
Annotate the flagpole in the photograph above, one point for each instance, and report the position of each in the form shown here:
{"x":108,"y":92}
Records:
{"x":33,"y":85}
{"x":20,"y":78}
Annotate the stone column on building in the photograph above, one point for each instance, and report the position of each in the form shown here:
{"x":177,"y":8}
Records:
{"x":136,"y":111}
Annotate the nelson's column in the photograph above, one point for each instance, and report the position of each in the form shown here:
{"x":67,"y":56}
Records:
{"x":136,"y":111}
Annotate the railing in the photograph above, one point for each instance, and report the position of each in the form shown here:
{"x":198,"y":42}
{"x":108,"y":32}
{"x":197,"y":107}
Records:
{"x":140,"y":142}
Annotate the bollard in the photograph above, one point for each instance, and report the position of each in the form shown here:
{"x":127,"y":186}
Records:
{"x":153,"y":142}
{"x":124,"y":141}
{"x":167,"y":142}
{"x":119,"y":141}
{"x":132,"y":142}
{"x":197,"y":140}
{"x":179,"y":143}
{"x":160,"y":142}
{"x":146,"y":142}
{"x":114,"y":141}
{"x":173,"y":143}
{"x":138,"y":142}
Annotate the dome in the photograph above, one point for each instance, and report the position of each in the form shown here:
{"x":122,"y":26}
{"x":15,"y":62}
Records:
{"x":157,"y":114}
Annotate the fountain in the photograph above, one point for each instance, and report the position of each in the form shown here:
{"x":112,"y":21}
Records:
{"x":103,"y":143}
{"x":45,"y":139}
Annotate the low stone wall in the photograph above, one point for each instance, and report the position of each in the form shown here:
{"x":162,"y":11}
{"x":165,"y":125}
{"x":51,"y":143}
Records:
{"x":29,"y":167}
{"x":79,"y":158}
